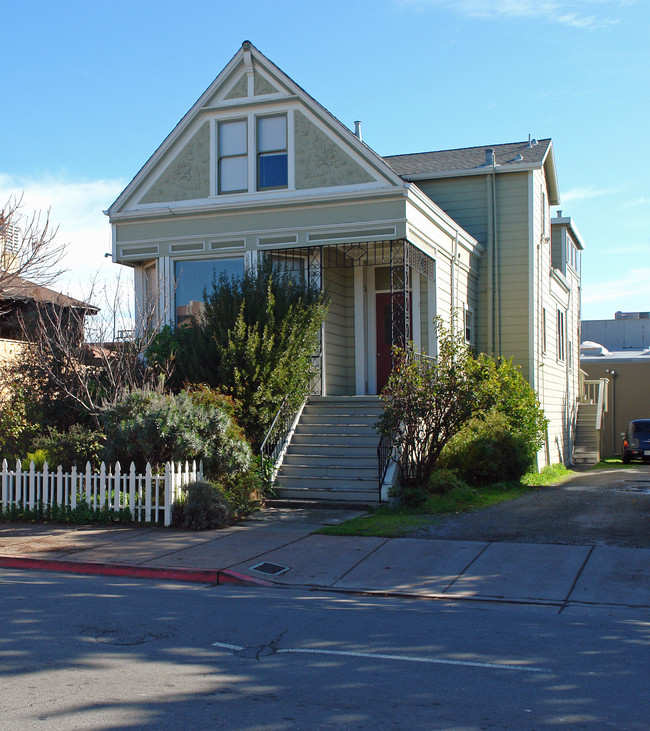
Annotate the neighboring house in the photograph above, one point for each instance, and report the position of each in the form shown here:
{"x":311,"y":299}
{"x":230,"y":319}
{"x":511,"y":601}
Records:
{"x":257,"y":168}
{"x":20,"y":301}
{"x":618,"y":351}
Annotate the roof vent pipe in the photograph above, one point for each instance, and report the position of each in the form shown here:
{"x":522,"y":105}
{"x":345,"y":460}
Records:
{"x":357,"y":130}
{"x":559,"y":214}
{"x":532,"y":141}
{"x":489,"y":156}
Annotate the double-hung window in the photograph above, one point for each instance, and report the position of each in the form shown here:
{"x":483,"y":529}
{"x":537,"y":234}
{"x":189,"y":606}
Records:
{"x":233,"y":156}
{"x":272,"y":168}
{"x":561,"y":334}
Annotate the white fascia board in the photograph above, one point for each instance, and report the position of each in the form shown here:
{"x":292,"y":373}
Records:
{"x":483,"y":170}
{"x":557,"y":275}
{"x":551,"y":176}
{"x":336,"y":125}
{"x":218,"y":205}
{"x":571,"y":227}
{"x":441,"y":219}
{"x":187,"y":118}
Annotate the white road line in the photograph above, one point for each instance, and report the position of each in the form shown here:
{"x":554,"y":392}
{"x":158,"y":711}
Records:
{"x":404,"y":658}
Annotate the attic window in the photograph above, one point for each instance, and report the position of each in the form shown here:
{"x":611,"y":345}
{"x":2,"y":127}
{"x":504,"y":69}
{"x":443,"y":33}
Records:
{"x":272,"y":152}
{"x":233,"y":156}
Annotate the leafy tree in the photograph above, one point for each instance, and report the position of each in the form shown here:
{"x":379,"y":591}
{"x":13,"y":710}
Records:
{"x":426,"y":402}
{"x":254,"y":342}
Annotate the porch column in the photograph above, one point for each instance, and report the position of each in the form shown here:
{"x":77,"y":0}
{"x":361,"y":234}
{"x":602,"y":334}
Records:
{"x":360,"y":351}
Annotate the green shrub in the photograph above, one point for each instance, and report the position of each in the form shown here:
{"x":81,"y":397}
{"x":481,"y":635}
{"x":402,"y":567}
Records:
{"x":501,"y":387}
{"x":245,"y":490}
{"x":444,"y":481}
{"x":16,"y":427}
{"x":254,"y":341}
{"x":202,"y":506}
{"x":74,"y":447}
{"x":486,"y":450}
{"x":39,"y":458}
{"x":147,"y":426}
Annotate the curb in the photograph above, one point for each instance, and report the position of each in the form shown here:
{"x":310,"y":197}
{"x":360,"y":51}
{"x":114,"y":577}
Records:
{"x":199,"y":576}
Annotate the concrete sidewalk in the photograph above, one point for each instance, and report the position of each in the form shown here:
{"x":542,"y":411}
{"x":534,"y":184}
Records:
{"x":279,"y":547}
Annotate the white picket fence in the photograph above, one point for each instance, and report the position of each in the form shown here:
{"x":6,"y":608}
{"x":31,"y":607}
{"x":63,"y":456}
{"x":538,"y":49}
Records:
{"x":148,"y":496}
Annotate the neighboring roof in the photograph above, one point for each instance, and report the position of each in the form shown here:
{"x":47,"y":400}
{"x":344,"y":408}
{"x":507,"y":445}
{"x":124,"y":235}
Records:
{"x":637,"y":356}
{"x":589,"y":347}
{"x":17,"y":288}
{"x":509,"y":157}
{"x":468,"y":158}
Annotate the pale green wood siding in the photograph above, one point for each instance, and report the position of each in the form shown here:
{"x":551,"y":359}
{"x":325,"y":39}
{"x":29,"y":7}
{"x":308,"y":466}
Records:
{"x":339,"y":332}
{"x":188,"y":176}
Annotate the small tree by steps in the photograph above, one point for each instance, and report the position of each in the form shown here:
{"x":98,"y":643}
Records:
{"x":426,"y":402}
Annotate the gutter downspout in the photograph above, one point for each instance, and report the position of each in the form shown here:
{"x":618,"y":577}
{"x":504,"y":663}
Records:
{"x":490,"y":270}
{"x":454,"y":314}
{"x":497,"y":261}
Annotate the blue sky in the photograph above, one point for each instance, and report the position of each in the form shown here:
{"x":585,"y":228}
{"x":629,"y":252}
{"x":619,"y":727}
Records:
{"x":91,"y":89}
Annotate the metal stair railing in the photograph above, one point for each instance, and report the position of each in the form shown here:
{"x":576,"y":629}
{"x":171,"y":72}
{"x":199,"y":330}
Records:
{"x":278,"y":437}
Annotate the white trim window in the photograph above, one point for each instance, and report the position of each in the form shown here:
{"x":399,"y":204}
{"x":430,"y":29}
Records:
{"x":561,"y":335}
{"x":468,"y":324}
{"x":232,"y":156}
{"x":272,"y":154}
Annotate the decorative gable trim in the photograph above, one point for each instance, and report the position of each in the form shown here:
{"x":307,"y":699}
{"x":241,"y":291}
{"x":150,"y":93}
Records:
{"x":261,"y":75}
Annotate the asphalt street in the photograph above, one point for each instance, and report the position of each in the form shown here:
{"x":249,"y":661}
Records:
{"x":85,"y":652}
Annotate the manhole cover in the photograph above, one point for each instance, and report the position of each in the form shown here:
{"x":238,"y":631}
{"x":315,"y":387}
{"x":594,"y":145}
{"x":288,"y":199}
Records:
{"x":270,"y":569}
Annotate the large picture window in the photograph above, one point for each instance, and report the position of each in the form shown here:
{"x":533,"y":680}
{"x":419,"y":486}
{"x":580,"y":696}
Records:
{"x":272,"y":170}
{"x":192,"y":278}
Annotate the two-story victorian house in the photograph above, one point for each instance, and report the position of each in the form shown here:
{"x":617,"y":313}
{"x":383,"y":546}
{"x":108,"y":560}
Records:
{"x":258,"y":168}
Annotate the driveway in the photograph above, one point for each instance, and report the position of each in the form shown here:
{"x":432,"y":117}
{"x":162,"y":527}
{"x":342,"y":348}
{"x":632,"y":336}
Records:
{"x":597,"y":507}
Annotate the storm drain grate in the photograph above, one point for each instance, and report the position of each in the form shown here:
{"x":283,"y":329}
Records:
{"x":270,"y":569}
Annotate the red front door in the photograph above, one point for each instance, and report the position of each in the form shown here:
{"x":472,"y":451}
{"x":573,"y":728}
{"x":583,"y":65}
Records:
{"x":384,"y":339}
{"x":385,"y":336}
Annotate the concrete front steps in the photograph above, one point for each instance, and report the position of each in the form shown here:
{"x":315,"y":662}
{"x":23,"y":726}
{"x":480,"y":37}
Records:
{"x":586,"y":449}
{"x":332,"y":457}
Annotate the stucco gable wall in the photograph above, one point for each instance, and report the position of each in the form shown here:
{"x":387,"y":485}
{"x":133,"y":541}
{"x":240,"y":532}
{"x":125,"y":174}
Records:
{"x":320,"y":162}
{"x":188,"y":175}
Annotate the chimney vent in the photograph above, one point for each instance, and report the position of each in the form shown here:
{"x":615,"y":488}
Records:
{"x":489,"y":156}
{"x":559,"y":214}
{"x":357,"y":129}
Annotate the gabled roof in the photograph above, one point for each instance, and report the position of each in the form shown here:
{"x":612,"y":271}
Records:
{"x":246,"y":61}
{"x":510,"y":157}
{"x":22,"y":290}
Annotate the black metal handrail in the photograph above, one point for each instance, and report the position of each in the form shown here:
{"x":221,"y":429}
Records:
{"x":276,"y":437}
{"x":384,"y":454}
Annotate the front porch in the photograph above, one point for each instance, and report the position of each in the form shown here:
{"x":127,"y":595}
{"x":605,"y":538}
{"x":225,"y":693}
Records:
{"x":382,"y":294}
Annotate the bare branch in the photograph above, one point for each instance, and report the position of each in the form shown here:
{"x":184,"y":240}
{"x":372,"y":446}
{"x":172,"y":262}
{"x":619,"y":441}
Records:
{"x":28,"y":246}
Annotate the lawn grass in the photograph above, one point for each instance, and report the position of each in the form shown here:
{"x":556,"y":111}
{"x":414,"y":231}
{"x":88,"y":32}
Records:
{"x":613,"y":462}
{"x":396,"y":522}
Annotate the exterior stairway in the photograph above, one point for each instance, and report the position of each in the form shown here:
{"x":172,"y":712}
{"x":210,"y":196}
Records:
{"x":586,"y":448}
{"x":332,"y":456}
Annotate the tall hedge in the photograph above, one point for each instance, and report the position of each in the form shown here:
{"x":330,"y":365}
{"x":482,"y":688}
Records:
{"x":254,"y":342}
